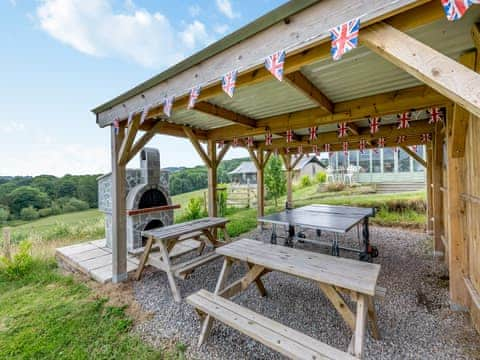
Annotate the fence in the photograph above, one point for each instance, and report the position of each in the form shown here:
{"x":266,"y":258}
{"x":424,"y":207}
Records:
{"x":242,"y":196}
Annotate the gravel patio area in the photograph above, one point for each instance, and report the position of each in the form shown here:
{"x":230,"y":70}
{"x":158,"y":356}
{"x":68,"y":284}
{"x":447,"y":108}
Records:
{"x":414,"y":318}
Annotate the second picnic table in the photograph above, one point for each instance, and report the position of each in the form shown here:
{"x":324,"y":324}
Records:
{"x":166,"y":237}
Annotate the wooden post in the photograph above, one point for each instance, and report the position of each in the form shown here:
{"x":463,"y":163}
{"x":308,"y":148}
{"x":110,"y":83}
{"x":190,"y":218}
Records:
{"x":260,"y":184}
{"x":429,"y":189}
{"x":119,"y":232}
{"x":212,"y":178}
{"x":437,"y":196}
{"x":287,"y":159}
{"x":6,"y":243}
{"x":457,"y":252}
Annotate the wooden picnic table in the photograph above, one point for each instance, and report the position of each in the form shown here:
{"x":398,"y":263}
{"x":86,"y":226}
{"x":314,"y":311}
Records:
{"x":166,"y":237}
{"x":335,"y":276}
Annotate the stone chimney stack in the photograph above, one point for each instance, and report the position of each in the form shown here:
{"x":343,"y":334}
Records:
{"x":150,"y":166}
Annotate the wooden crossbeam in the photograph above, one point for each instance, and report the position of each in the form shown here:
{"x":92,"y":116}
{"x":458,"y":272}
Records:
{"x":353,"y":128}
{"x":392,"y":102}
{"x":297,"y":160}
{"x":222,"y":152}
{"x":448,"y":77}
{"x":215,"y":110}
{"x":254,"y":158}
{"x":300,"y":82}
{"x":128,"y":140}
{"x":414,"y":155}
{"x":196,"y":144}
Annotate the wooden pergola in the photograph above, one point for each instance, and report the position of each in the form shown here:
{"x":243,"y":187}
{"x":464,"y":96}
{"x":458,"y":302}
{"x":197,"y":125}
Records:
{"x":410,"y":59}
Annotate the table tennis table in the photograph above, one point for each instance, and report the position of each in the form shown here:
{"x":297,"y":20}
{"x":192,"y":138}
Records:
{"x":329,"y":218}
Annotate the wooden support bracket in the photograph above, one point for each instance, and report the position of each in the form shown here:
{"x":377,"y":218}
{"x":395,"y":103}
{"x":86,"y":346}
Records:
{"x":196,"y":144}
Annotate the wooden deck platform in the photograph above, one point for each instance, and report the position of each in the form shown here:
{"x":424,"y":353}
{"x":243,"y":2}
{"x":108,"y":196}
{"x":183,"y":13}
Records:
{"x":94,"y":259}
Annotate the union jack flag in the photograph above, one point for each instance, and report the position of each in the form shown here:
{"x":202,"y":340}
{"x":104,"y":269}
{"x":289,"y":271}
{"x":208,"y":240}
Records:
{"x":116,"y":126}
{"x":414,"y":148}
{"x":326,"y":148}
{"x":275,"y":62}
{"x":268,"y":138}
{"x":312,"y":133}
{"x":228,"y":82}
{"x":144,"y":115}
{"x":403,"y":120}
{"x":374,"y":123}
{"x":130,"y":118}
{"x":435,"y":115}
{"x":300,"y":149}
{"x":381,"y":142}
{"x":424,"y":138}
{"x":287,"y":150}
{"x":455,"y":9}
{"x":167,"y":105}
{"x":401,"y":139}
{"x":289,"y":135}
{"x":362,"y":145}
{"x":194,"y":94}
{"x":315,"y":150}
{"x":344,"y":38}
{"x":345,"y":147}
{"x":221,"y":144}
{"x":250,"y":141}
{"x":235,"y":141}
{"x":342,"y":129}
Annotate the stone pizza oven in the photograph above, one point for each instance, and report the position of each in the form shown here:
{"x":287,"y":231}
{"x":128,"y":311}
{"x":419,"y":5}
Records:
{"x":147,"y":197}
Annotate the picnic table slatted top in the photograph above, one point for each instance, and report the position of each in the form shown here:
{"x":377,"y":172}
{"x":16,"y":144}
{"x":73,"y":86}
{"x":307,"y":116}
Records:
{"x":346,"y":273}
{"x":176,"y":230}
{"x":323,"y":217}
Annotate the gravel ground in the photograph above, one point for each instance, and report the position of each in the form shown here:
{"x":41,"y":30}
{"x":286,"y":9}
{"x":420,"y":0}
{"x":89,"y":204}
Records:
{"x":414,"y":318}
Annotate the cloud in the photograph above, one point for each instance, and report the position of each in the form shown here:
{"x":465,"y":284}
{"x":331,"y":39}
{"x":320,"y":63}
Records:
{"x":95,"y":28}
{"x":194,"y":34}
{"x":194,"y":10}
{"x":12,"y":127}
{"x":221,"y":29}
{"x":225,"y":7}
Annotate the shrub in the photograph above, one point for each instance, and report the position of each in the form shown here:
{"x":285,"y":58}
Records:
{"x":305,"y":181}
{"x":222,"y":203}
{"x":194,"y":209}
{"x":20,"y":264}
{"x":45,"y":212}
{"x":320,"y":177}
{"x":75,"y":204}
{"x":335,"y":187}
{"x":29,"y":213}
{"x":4,"y":214}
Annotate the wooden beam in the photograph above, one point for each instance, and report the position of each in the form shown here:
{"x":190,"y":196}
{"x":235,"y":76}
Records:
{"x":128,"y":140}
{"x":267,"y":157}
{"x":414,"y":155}
{"x":215,"y":110}
{"x":144,"y":139}
{"x":261,"y":183}
{"x":437,"y":176}
{"x":297,"y":160}
{"x":222,"y":152}
{"x":300,"y":82}
{"x":429,"y":189}
{"x":119,"y":219}
{"x":193,"y":139}
{"x":212,"y":178}
{"x":353,"y":128}
{"x":453,"y":80}
{"x":460,"y":125}
{"x":171,"y":129}
{"x":457,"y":253}
{"x":392,"y":102}
{"x":254,"y":158}
{"x":475,"y":31}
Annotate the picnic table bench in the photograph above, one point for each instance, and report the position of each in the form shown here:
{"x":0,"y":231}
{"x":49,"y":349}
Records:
{"x":165,"y":238}
{"x":334,"y":276}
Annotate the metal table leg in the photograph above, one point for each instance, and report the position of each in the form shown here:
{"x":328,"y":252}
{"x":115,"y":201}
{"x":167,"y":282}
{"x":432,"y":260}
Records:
{"x":273,"y":237}
{"x":291,"y":236}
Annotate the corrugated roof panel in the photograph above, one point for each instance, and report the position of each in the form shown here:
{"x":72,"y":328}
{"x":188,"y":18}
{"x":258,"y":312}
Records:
{"x":198,"y":119}
{"x":265,"y":99}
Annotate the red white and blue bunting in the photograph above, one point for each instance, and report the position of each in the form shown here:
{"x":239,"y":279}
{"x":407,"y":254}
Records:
{"x":194,"y":94}
{"x":312,"y":133}
{"x":342,"y":129}
{"x":300,"y":150}
{"x":374,"y":124}
{"x":268,"y":138}
{"x":362,"y":145}
{"x":289,"y":136}
{"x":116,"y":126}
{"x":315,"y":150}
{"x":435,"y":115}
{"x":425,"y":138}
{"x":143,"y":117}
{"x":167,"y":105}
{"x":381,"y":142}
{"x":220,"y":144}
{"x":401,"y":139}
{"x":130,"y":118}
{"x":455,"y":9}
{"x":344,"y":38}
{"x":228,"y":82}
{"x":235,"y":141}
{"x":345,"y":147}
{"x":275,"y":63}
{"x":250,"y":141}
{"x":403,"y":120}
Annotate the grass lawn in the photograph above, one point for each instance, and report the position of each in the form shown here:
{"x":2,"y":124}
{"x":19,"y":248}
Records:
{"x":45,"y":315}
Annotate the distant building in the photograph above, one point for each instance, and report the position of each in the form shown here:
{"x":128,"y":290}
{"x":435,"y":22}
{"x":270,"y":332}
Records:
{"x":246,"y":172}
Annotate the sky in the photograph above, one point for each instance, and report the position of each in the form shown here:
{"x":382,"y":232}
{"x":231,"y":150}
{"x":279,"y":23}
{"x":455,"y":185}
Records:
{"x":61,"y":58}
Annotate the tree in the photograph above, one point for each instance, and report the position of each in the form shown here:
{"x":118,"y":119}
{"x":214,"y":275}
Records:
{"x":26,"y":196}
{"x":29,"y":213}
{"x":46,"y":184}
{"x":4,"y":214}
{"x":275,"y":181}
{"x":66,"y":187}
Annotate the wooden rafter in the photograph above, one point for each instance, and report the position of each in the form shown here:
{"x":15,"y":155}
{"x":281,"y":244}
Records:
{"x":215,"y":110}
{"x":450,"y":78}
{"x":143,"y":140}
{"x":296,"y":161}
{"x":171,"y":129}
{"x":222,"y":152}
{"x":388,"y":103}
{"x":196,"y":144}
{"x":300,"y":82}
{"x":414,"y":155}
{"x":254,"y":158}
